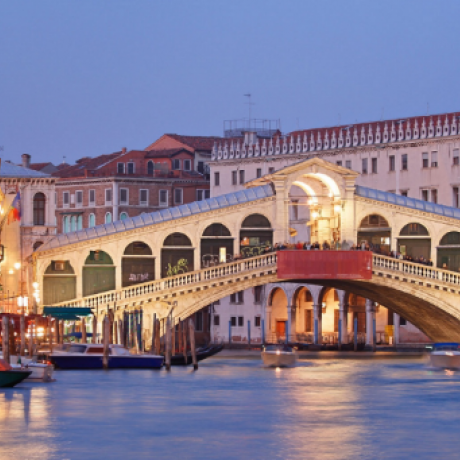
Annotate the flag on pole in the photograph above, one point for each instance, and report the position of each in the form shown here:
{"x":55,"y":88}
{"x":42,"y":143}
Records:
{"x":14,"y":213}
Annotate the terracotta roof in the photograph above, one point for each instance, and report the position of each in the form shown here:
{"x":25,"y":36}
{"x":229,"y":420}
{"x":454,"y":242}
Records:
{"x":86,"y":163}
{"x":39,"y":166}
{"x":195,"y":142}
{"x":167,"y":153}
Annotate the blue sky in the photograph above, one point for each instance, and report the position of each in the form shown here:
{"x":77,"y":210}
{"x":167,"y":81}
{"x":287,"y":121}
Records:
{"x":82,"y":78}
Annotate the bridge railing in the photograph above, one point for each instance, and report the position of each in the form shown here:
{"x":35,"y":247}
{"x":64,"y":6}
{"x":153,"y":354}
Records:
{"x":411,"y":268}
{"x":185,"y":279}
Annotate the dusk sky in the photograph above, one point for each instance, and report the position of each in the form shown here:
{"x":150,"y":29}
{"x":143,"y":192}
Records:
{"x":83,"y":78}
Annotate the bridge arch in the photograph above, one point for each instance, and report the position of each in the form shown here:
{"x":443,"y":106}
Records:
{"x":59,"y":282}
{"x":98,"y":273}
{"x":448,"y":251}
{"x":137,"y":264}
{"x":177,"y":255}
{"x":216,"y":245}
{"x":414,"y":241}
{"x":255,"y":234}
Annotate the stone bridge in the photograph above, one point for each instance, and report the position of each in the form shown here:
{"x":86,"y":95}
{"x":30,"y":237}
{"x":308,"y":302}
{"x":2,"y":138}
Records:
{"x":183,"y":257}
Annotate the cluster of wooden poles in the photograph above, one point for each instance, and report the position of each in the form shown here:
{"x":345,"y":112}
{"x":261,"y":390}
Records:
{"x":175,"y":340}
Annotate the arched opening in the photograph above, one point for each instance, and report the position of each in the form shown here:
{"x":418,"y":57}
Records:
{"x":73,"y":224}
{"x":108,"y":217}
{"x":329,"y":301}
{"x":98,"y":273}
{"x":448,"y":251}
{"x":414,"y":242}
{"x":137,"y":265}
{"x":150,"y":168}
{"x":304,"y":315}
{"x":92,"y":220}
{"x":176,"y":255}
{"x":39,"y":208}
{"x":255,"y":235}
{"x":66,"y":224}
{"x":375,"y":230}
{"x":216,"y":245}
{"x":123,"y":216}
{"x":37,"y":244}
{"x":80,"y":222}
{"x":59,"y":282}
{"x":278,"y":315}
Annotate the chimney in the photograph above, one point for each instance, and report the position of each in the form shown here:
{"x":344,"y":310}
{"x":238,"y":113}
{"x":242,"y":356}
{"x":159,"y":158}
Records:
{"x":123,"y":150}
{"x":25,"y":160}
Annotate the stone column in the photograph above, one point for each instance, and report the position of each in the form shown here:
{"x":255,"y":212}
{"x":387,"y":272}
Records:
{"x":318,"y":323}
{"x":290,"y":325}
{"x":396,"y":322}
{"x":343,"y":315}
{"x":370,"y":314}
{"x":281,"y":224}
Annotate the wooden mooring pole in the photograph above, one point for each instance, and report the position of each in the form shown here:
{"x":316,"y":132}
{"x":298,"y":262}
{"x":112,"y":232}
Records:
{"x":154,"y":330}
{"x":179,"y":336}
{"x":83,"y":331}
{"x":168,"y":344}
{"x":173,"y":337}
{"x":105,"y":338}
{"x":50,"y":333}
{"x":157,"y":337}
{"x":22,"y":351}
{"x":191,"y":326}
{"x":32,"y":330}
{"x":61,"y":332}
{"x":93,"y":338}
{"x":6,"y":338}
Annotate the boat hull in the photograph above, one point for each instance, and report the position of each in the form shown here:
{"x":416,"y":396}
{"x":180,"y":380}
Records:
{"x":11,"y":378}
{"x":179,"y":360}
{"x":115,"y":362}
{"x":445,"y":361}
{"x":282,"y":359}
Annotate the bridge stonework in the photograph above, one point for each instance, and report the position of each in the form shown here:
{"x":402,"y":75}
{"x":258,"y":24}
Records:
{"x":426,"y":296}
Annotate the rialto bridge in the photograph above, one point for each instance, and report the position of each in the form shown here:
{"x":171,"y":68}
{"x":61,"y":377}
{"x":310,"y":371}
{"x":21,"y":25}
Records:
{"x":185,"y":256}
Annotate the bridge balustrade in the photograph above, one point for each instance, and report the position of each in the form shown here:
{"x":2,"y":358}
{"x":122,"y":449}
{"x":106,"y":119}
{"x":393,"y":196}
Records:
{"x":185,"y":279}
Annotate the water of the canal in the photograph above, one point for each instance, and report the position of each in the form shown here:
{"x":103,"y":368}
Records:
{"x":233,"y":409}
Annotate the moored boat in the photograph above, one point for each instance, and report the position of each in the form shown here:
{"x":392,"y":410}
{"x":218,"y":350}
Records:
{"x":90,"y":356}
{"x":279,"y":356}
{"x":445,"y":355}
{"x":201,"y":353}
{"x":10,"y":377}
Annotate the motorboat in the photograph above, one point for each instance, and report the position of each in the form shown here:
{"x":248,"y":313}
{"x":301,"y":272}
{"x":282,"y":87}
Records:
{"x":201,"y":353}
{"x":279,"y":356}
{"x":445,"y":355}
{"x":10,"y":377}
{"x":89,"y":356}
{"x":41,"y":371}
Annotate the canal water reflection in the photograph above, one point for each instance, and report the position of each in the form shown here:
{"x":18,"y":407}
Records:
{"x":237,"y":409}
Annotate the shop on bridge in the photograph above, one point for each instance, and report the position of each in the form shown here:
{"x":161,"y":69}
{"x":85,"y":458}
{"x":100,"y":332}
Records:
{"x":216,"y":245}
{"x":375,"y":231}
{"x":98,"y":273}
{"x":176,"y":255}
{"x":414,"y":241}
{"x":59,"y":282}
{"x":137,"y":264}
{"x":255,"y":235}
{"x":448,"y":254}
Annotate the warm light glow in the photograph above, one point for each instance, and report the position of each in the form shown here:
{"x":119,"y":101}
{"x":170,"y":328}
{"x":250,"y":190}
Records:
{"x":35,"y":285}
{"x":337,"y":208}
{"x":278,"y":352}
{"x":315,"y":215}
{"x":17,"y":265}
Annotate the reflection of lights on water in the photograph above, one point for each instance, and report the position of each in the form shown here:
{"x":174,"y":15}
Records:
{"x":278,"y":353}
{"x":449,"y":353}
{"x":278,"y":369}
{"x":449,"y":372}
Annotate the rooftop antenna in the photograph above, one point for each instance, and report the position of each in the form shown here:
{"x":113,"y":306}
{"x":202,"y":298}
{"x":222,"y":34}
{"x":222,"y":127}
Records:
{"x":248,"y":95}
{"x":63,"y":159}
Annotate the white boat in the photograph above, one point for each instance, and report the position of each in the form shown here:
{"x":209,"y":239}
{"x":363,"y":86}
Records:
{"x":445,"y":356}
{"x":41,"y":372}
{"x":279,"y":356}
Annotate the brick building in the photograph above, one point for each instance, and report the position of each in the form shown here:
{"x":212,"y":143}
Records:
{"x":125,"y":184}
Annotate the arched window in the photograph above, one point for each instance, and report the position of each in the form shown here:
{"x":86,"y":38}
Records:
{"x":123,"y":216}
{"x":450,"y":239}
{"x":80,"y":222}
{"x":39,"y":208}
{"x":73,"y":223}
{"x":66,"y":224}
{"x":138,"y":248}
{"x":150,"y":168}
{"x":177,"y":239}
{"x":374,"y":221}
{"x":37,"y":244}
{"x":256,"y":221}
{"x":108,"y":217}
{"x":92,"y":220}
{"x":216,"y":230}
{"x":414,"y":230}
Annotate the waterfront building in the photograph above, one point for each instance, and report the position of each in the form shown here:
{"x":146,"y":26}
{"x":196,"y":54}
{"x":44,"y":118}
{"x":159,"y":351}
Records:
{"x":23,"y":233}
{"x":125,"y":184}
{"x":415,"y":157}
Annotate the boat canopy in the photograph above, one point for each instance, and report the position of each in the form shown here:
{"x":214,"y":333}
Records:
{"x":67,"y":313}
